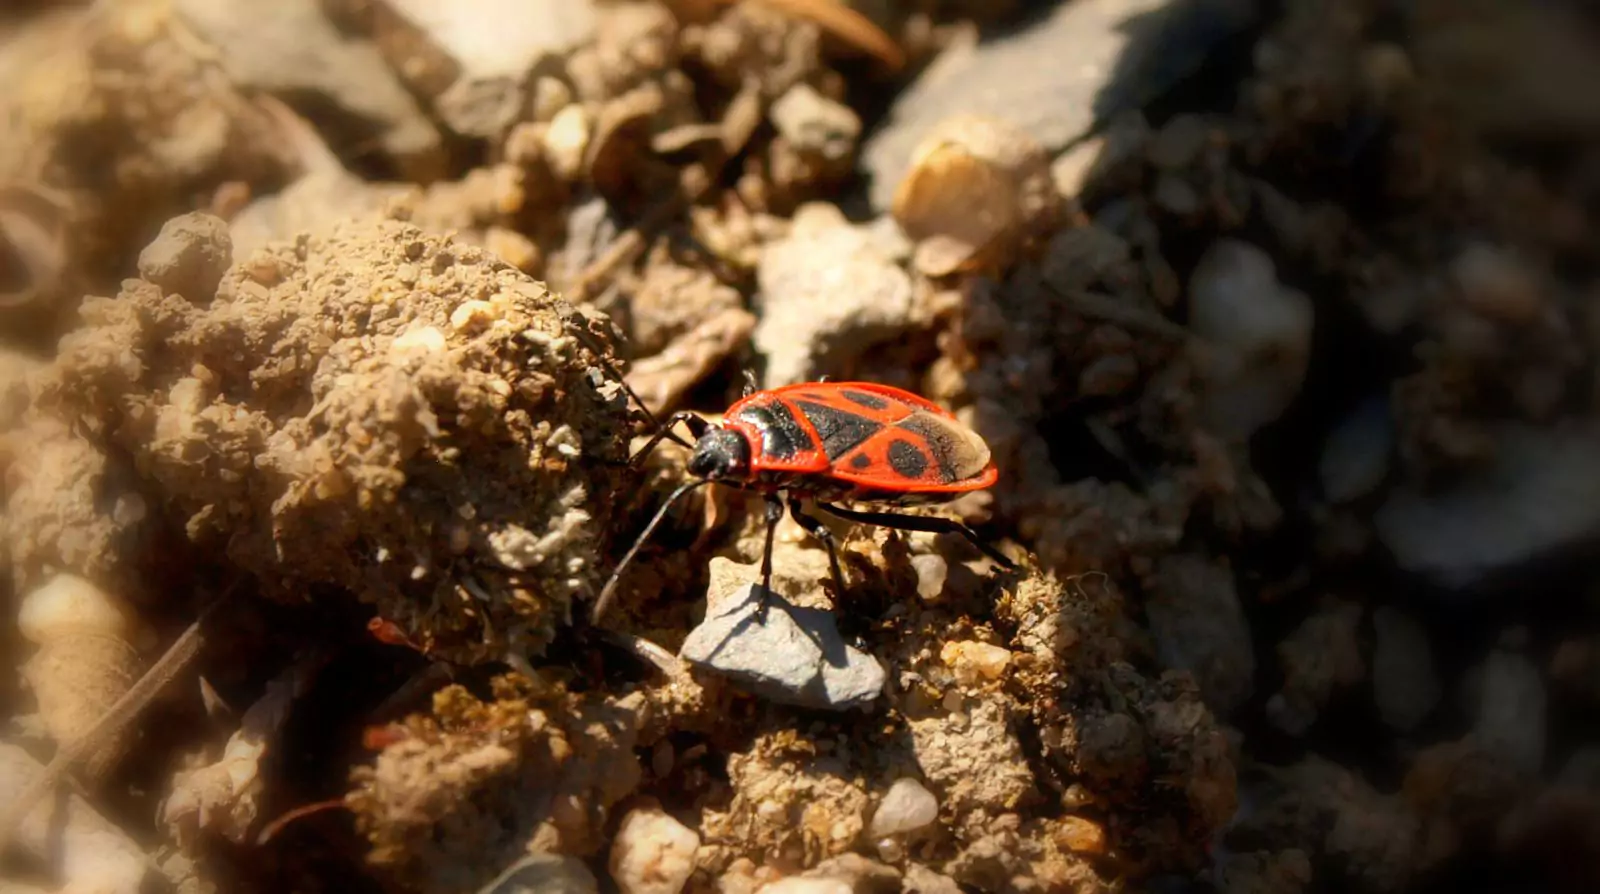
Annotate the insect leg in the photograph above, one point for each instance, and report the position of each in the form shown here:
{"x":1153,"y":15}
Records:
{"x":817,"y":529}
{"x":697,"y":427}
{"x":774,"y":511}
{"x":928,"y":524}
{"x":609,"y":591}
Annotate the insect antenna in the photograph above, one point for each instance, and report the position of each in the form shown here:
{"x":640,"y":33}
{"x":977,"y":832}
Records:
{"x":609,"y":592}
{"x":656,"y":425}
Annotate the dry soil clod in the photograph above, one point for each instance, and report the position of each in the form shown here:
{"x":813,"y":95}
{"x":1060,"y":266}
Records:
{"x":398,"y":414}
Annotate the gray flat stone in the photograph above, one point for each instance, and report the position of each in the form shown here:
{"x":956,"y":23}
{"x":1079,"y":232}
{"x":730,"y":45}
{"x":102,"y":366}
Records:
{"x":788,"y":654}
{"x":290,"y":49}
{"x":1538,"y":499}
{"x":494,"y":47}
{"x":820,"y":316}
{"x":1057,"y":79}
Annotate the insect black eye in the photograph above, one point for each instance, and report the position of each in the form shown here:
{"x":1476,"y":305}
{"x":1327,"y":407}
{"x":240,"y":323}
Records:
{"x":719,"y":454}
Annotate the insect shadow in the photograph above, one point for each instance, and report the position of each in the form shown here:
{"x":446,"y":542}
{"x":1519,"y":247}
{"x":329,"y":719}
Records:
{"x":815,"y":624}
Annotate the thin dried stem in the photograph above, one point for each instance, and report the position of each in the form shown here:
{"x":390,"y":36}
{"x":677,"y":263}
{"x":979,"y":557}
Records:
{"x":178,"y":658}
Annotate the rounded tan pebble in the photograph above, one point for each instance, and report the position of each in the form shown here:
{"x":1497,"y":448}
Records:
{"x":425,"y":339}
{"x":567,"y":141}
{"x":85,"y":660}
{"x":807,"y":886}
{"x":652,"y":853}
{"x":515,"y":249}
{"x":524,"y":145}
{"x":263,"y":268}
{"x":1255,"y":334}
{"x":189,"y":256}
{"x":932,"y":572}
{"x":975,"y":188}
{"x":975,"y":662}
{"x":472,"y":314}
{"x":1072,"y":169}
{"x":1079,"y":835}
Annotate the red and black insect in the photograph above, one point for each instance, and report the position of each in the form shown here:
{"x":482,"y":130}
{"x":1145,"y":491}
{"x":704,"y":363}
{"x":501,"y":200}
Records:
{"x":826,"y":442}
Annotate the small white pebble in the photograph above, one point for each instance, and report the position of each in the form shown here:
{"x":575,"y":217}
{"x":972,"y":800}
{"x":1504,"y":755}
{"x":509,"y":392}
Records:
{"x":472,"y":314}
{"x":1256,"y":334}
{"x":652,"y":853}
{"x":907,"y":807}
{"x":130,"y":509}
{"x":807,"y":886}
{"x":932,"y":572}
{"x":566,"y":141}
{"x":426,"y":339}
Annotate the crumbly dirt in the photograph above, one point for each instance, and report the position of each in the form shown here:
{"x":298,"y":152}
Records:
{"x":474,"y":784}
{"x":1290,"y":365}
{"x":380,"y":410}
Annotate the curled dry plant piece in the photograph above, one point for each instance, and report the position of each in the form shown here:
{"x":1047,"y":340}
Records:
{"x":225,"y":795}
{"x":833,"y":16}
{"x":976,"y":190}
{"x":33,"y":251}
{"x":84,"y":662}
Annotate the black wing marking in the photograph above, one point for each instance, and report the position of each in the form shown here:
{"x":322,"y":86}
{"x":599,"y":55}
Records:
{"x":839,"y":430}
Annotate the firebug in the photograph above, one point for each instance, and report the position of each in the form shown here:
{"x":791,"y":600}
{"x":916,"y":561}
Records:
{"x":826,"y":442}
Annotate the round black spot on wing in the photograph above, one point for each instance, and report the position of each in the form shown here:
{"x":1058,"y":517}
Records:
{"x":938,"y":438}
{"x":840,"y":430}
{"x":860,"y":461}
{"x":906,"y":459}
{"x":863,"y":399}
{"x":781,"y":434}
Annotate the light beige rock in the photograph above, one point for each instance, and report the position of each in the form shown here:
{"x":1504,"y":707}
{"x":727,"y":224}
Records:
{"x":907,"y":807}
{"x":652,"y":853}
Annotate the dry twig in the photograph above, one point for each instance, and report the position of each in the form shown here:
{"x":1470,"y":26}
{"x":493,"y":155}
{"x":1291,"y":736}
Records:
{"x":127,"y":709}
